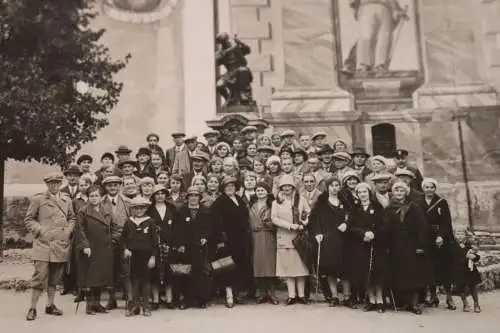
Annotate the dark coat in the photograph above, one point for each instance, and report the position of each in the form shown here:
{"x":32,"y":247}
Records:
{"x":164,"y":230}
{"x":188,"y":231}
{"x":179,"y":202}
{"x":462,"y":275}
{"x":325,"y":219}
{"x":408,"y":233}
{"x":349,"y":198}
{"x":148,"y":171}
{"x":368,"y":261}
{"x":233,"y":228}
{"x":439,"y":223}
{"x":96,"y":230}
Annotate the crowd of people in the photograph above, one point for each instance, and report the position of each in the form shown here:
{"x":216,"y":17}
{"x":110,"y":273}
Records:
{"x":177,"y":228}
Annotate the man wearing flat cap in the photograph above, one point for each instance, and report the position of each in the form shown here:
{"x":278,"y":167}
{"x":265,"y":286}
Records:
{"x":408,"y":177}
{"x":401,"y":159}
{"x":113,"y":201}
{"x":212,"y":138}
{"x":341,"y":161}
{"x":179,"y":146}
{"x":51,"y":219}
{"x":250,"y":133}
{"x":381,"y":184}
{"x":199,"y":161}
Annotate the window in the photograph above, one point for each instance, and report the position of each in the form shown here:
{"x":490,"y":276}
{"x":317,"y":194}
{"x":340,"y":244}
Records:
{"x":384,"y":139}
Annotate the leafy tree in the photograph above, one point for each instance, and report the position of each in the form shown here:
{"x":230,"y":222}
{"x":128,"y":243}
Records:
{"x":48,"y":51}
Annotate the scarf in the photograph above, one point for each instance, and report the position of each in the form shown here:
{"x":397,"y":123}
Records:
{"x":400,"y":208}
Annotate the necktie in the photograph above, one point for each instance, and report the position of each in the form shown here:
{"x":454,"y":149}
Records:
{"x":113,"y":202}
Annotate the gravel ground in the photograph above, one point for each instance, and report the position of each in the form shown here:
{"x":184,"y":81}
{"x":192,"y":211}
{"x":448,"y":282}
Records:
{"x":250,"y":318}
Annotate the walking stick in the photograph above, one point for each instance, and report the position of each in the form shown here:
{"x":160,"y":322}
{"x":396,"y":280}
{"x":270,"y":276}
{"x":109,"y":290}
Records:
{"x":317,"y":268}
{"x":393,"y":300}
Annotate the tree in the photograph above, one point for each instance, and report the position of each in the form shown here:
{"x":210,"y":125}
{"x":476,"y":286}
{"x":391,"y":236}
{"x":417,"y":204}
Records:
{"x":47,"y":52}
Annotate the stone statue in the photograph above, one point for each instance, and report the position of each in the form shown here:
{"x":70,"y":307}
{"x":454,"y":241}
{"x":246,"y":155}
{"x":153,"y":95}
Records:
{"x":235,"y":84}
{"x":379,"y":25}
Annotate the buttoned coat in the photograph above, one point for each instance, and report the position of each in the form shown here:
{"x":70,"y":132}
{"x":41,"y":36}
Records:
{"x":51,"y":220}
{"x":121,"y":213}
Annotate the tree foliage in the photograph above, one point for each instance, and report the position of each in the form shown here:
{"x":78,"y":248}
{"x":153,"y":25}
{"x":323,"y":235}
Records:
{"x":48,"y":51}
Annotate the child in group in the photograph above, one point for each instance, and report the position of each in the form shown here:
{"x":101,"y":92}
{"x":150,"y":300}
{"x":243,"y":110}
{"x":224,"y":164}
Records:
{"x":467,"y":276}
{"x":140,"y":240}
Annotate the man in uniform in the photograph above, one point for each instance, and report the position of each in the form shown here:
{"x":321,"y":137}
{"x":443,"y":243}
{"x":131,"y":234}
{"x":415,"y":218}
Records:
{"x":376,"y":20}
{"x":401,"y":160}
{"x":51,"y":219}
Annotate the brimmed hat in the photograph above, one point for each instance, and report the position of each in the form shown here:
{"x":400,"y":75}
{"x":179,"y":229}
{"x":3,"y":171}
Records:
{"x":139,"y":201}
{"x":127,"y":160}
{"x":83,"y":158}
{"x":111,"y":180}
{"x":191,"y":138}
{"x":159,"y":188}
{"x":400,"y":153}
{"x":400,"y":184}
{"x":318,"y":134}
{"x":342,"y":155}
{"x":247,"y":129}
{"x":382,"y":177}
{"x":300,"y":151}
{"x":108,"y":155}
{"x":404,"y":172}
{"x":152,"y":135}
{"x":222,"y":144}
{"x":178,"y":134}
{"x":266,"y":149}
{"x":201,"y":156}
{"x":429,"y":181}
{"x":363,"y":186}
{"x":53,"y":177}
{"x":264,"y":185}
{"x":286,"y":149}
{"x":146,"y":181}
{"x":360,"y":151}
{"x":143,"y":151}
{"x":288,"y":132}
{"x":325,"y":149}
{"x":228,"y":180}
{"x":287,"y":180}
{"x":379,"y":158}
{"x":73,"y":169}
{"x":211,"y":133}
{"x":193,"y":191}
{"x":123,"y":150}
{"x":272,"y":159}
{"x":350,"y":174}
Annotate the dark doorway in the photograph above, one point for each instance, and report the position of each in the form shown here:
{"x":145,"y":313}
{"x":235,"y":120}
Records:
{"x":384,"y":139}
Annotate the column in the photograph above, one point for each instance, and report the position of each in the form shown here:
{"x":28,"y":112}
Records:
{"x":199,"y":64}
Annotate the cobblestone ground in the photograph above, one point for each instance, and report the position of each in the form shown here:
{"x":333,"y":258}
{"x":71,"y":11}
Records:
{"x":250,"y":318}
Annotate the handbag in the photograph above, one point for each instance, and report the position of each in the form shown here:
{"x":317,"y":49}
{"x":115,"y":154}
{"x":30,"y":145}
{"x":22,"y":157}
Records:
{"x":180,"y":269}
{"x":224,"y":264}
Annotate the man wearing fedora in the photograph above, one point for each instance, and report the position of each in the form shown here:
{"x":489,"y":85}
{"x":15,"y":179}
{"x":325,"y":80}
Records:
{"x":116,"y":203}
{"x":51,"y":219}
{"x":359,"y":158}
{"x":123,"y":152}
{"x":72,"y":175}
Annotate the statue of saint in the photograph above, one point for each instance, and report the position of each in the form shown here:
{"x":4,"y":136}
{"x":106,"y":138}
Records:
{"x":379,"y":23}
{"x":235,"y":84}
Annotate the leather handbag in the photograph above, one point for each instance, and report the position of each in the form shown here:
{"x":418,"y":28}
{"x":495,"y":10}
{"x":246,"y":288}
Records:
{"x":224,"y":264}
{"x":180,"y":269}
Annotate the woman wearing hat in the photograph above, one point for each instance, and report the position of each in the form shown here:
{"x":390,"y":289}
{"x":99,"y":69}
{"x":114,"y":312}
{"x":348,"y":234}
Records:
{"x":107,"y":161}
{"x":368,"y":267}
{"x":290,"y":215}
{"x":231,"y":217}
{"x":329,"y":227}
{"x":162,"y":212}
{"x":259,"y":168}
{"x":348,"y":192}
{"x":146,"y":187}
{"x":95,"y":232}
{"x":299,"y":161}
{"x":191,"y":235}
{"x":163,"y":178}
{"x":264,"y":242}
{"x":85,"y":163}
{"x":141,"y":245}
{"x":177,"y":196}
{"x":408,"y":244}
{"x":144,"y":168}
{"x":212,"y":192}
{"x":238,"y":147}
{"x":441,"y":240}
{"x":222,"y":149}
{"x":273,"y":166}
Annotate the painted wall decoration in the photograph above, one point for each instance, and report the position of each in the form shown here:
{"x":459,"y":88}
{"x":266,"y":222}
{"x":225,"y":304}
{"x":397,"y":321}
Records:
{"x":138,"y":11}
{"x":378,"y":37}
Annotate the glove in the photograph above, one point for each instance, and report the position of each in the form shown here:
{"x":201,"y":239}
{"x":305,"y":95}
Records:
{"x":203,"y":241}
{"x":127,"y":253}
{"x":439,"y":241}
{"x":151,"y":262}
{"x":181,"y":249}
{"x":319,"y":238}
{"x":368,"y":236}
{"x":87,"y":251}
{"x":342,"y":227}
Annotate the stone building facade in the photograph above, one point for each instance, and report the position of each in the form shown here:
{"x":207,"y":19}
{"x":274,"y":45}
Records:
{"x":439,"y":99}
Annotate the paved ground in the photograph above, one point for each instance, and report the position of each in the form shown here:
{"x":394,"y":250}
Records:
{"x":314,"y":318}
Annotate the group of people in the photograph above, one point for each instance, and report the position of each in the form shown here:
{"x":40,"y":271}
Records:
{"x":181,"y":226}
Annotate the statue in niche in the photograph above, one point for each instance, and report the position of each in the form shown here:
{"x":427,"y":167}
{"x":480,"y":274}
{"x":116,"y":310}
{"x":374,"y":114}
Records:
{"x":379,"y":26}
{"x":231,"y":130}
{"x":235,"y":84}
